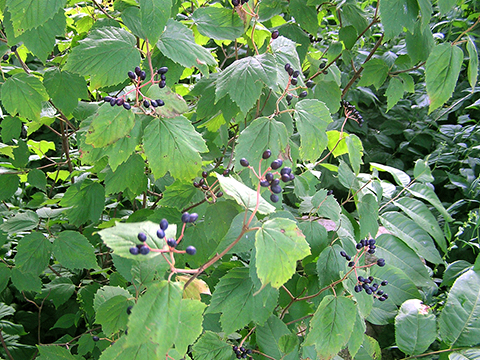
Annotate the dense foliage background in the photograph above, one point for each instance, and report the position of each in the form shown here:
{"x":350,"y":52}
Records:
{"x":376,"y":114}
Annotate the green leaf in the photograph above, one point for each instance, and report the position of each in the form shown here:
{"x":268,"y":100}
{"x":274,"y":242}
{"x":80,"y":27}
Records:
{"x":180,"y":195}
{"x":470,"y":354}
{"x":285,"y":51}
{"x":425,"y":192}
{"x":419,"y":43}
{"x":400,"y":288}
{"x":218,"y":23}
{"x":330,"y":264}
{"x":398,"y":254}
{"x":33,"y":253}
{"x":86,"y":201}
{"x":472,"y":70}
{"x":189,"y":324}
{"x":21,"y":154}
{"x":65,"y":89}
{"x":173,"y":145}
{"x":401,"y":178}
{"x":412,"y":234}
{"x":419,"y":213}
{"x":55,"y":353}
{"x":25,"y":221}
{"x":248,"y":74}
{"x":269,"y":337}
{"x":369,"y":350}
{"x":59,"y":290}
{"x":262,"y":134}
{"x":106,"y":55}
{"x":336,"y":144}
{"x":455,"y":270}
{"x":458,"y":321}
{"x":415,"y":327}
{"x":348,"y":35}
{"x":331,"y":325}
{"x":234,"y":298}
{"x":25,"y":281}
{"x":29,"y":14}
{"x":11,"y":128}
{"x":354,"y":15}
{"x":367,"y":207}
{"x":23,"y":94}
{"x":326,"y":206}
{"x":155,"y":316}
{"x":74,"y":251}
{"x":129,"y":175}
{"x":397,"y":14}
{"x":446,"y":5}
{"x":329,"y":93}
{"x":120,"y":150}
{"x":355,"y":152}
{"x":174,"y":104}
{"x":109,"y":124}
{"x":108,"y":292}
{"x":243,"y":195}
{"x":312,"y":118}
{"x":4,"y":278}
{"x":279,"y":241}
{"x":305,"y":16}
{"x":112,"y":314}
{"x":178,"y":44}
{"x":356,"y":339}
{"x":394,"y":92}
{"x":37,"y":178}
{"x":374,"y":73}
{"x":211,"y":347}
{"x":154,"y":15}
{"x":10,"y":183}
{"x":422,"y":171}
{"x":441,"y":73}
{"x":122,"y":237}
{"x":122,"y":351}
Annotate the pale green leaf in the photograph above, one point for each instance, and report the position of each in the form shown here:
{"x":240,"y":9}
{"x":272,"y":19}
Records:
{"x":367,"y":207}
{"x":397,"y":14}
{"x":269,"y":336}
{"x":400,"y":288}
{"x":24,"y":221}
{"x":329,"y":93}
{"x":422,"y":171}
{"x":401,"y":178}
{"x":330,"y":264}
{"x":74,"y":251}
{"x":374,"y":73}
{"x":218,"y":23}
{"x":472,"y":70}
{"x":394,"y":92}
{"x":154,"y":15}
{"x":112,"y":314}
{"x":107,"y":292}
{"x":425,"y":192}
{"x":85,"y":200}
{"x":285,"y":51}
{"x":189,"y":324}
{"x":11,"y":128}
{"x":355,"y":152}
{"x":305,"y":16}
{"x":446,"y":5}
{"x":211,"y":347}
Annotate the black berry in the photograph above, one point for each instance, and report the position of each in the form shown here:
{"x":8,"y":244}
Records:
{"x":13,"y":48}
{"x":286,"y":177}
{"x":131,"y":75}
{"x":226,"y":172}
{"x":348,"y":257}
{"x":220,"y":194}
{"x":269,"y":177}
{"x":369,"y":291}
{"x":343,"y":253}
{"x":351,"y":264}
{"x":235,"y":2}
{"x":113,"y":101}
{"x":190,"y":250}
{"x":275,"y":34}
{"x":162,"y":70}
{"x":286,"y":170}
{"x":275,"y":182}
{"x":129,"y":309}
{"x":144,"y":250}
{"x":134,"y":250}
{"x":294,"y":81}
{"x":163,"y":77}
{"x":146,"y":103}
{"x":287,"y":66}
{"x":359,"y":246}
{"x":204,"y":174}
{"x":244,"y":162}
{"x":235,"y":347}
{"x":276,"y":189}
{"x":329,"y":192}
{"x":185,"y":217}
{"x":274,"y":198}
{"x":154,"y":103}
{"x":193,"y":217}
{"x":371,"y":242}
{"x":138,"y":71}
{"x":5,"y":57}
{"x":95,"y":338}
{"x":361,"y":279}
{"x":160,"y":233}
{"x":384,"y":283}
{"x":303,"y":94}
{"x":289,"y":97}
{"x":380,"y":292}
{"x":264,"y":183}
{"x":290,"y":71}
{"x":162,"y":84}
{"x":127,"y":106}
{"x":276,"y":164}
{"x":107,"y":98}
{"x":142,"y":237}
{"x":381,"y":262}
{"x":296,"y":73}
{"x":171,"y":242}
{"x":266,"y":154}
{"x":120,"y":101}
{"x":310,"y":84}
{"x":381,"y":298}
{"x":321,"y":66}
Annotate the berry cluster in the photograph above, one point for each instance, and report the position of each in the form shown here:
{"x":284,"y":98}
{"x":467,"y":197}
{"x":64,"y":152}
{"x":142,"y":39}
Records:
{"x":371,"y":289}
{"x":351,"y":112}
{"x":12,"y":49}
{"x":241,"y":352}
{"x":269,"y":180}
{"x":209,"y":190}
{"x":293,"y":80}
{"x":141,"y":248}
{"x":236,"y":3}
{"x":138,"y":76}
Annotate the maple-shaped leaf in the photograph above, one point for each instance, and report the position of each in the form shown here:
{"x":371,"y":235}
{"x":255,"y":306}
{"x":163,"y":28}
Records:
{"x":244,"y":79}
{"x":106,"y":55}
{"x":279,"y":241}
{"x":173,"y":145}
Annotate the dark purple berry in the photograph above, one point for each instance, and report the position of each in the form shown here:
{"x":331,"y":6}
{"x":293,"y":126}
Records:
{"x":196,"y":184}
{"x":163,"y":77}
{"x":343,"y":253}
{"x":358,"y":288}
{"x":266,"y":154}
{"x":276,"y":189}
{"x":142,"y":237}
{"x":289,"y":97}
{"x":351,"y":264}
{"x":120,"y":101}
{"x":205,"y":187}
{"x":371,"y":278}
{"x":380,"y":292}
{"x":348,"y":257}
{"x":185,"y":217}
{"x":367,"y":281}
{"x":138,"y":71}
{"x":303,"y":94}
{"x":369,"y":291}
{"x":146,"y":103}
{"x":220,"y":194}
{"x":274,"y":198}
{"x":226,"y":172}
{"x":113,"y":101}
{"x":285,"y":177}
{"x":129,"y":309}
{"x":127,"y":106}
{"x":285,"y":170}
{"x":329,"y":192}
{"x":162,"y":70}
{"x":287,"y":66}
{"x":310,"y":84}
{"x":371,"y":242}
{"x":235,"y":2}
{"x":372,"y":247}
{"x":134,"y":250}
{"x":160,"y":233}
{"x":107,"y":98}
{"x":361,"y":279}
{"x":292,"y":177}
{"x":275,"y":182}
{"x":294,"y":81}
{"x":244,"y":162}
{"x":131,"y":75}
{"x":276,"y":164}
{"x":193,"y":217}
{"x":204,"y":174}
{"x":235,"y":347}
{"x":154,"y":103}
{"x":95,"y":338}
{"x":244,"y":356}
{"x":381,"y":298}
{"x":269,"y":177}
{"x":365,"y":286}
{"x":371,"y":251}
{"x":290,"y":71}
{"x":160,"y":102}
{"x":264,"y":183}
{"x":384,"y":283}
{"x":201,"y":181}
{"x":275,"y":34}
{"x":359,"y":246}
{"x":190,"y":250}
{"x":5,"y":57}
{"x":296,"y":73}
{"x":322,"y":65}
{"x":162,"y":84}
{"x":385,"y":296}
{"x":13,"y":48}
{"x":144,"y":250}
{"x":381,"y":262}
{"x":171,"y":242}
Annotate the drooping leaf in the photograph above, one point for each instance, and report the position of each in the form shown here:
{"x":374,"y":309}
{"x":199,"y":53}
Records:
{"x":25,"y":281}
{"x":455,"y":270}
{"x":33,"y":253}
{"x":248,"y":74}
{"x":37,"y":178}
{"x":4,"y":278}
{"x":23,"y":94}
{"x":155,"y":316}
{"x":401,"y":178}
{"x":368,"y":215}
{"x":154,"y":15}
{"x":211,"y":347}
{"x":29,"y":14}
{"x":419,"y":43}
{"x":11,"y":128}
{"x":262,"y":134}
{"x":120,"y":350}
{"x":441,"y":73}
{"x":469,"y":354}
{"x":356,"y":339}
{"x":107,"y":292}
{"x":65,"y":89}
{"x":122,"y":237}
{"x":85,"y":201}
{"x":394,"y":92}
{"x":120,"y":150}
{"x":178,"y":44}
{"x":312,"y":118}
{"x":329,"y":93}
{"x":304,"y":15}
{"x":74,"y":251}
{"x":400,"y":288}
{"x":415,"y":327}
{"x":173,"y":145}
{"x":458,"y":321}
{"x":396,"y":14}
{"x":243,"y":195}
{"x":355,"y":152}
{"x":330,"y":264}
{"x":331,"y":325}
{"x":472,"y":70}
{"x":109,"y":124}
{"x":189,"y":323}
{"x":422,"y":172}
{"x":281,"y":241}
{"x":106,"y":55}
{"x":425,"y":192}
{"x":218,"y":23}
{"x":446,"y":5}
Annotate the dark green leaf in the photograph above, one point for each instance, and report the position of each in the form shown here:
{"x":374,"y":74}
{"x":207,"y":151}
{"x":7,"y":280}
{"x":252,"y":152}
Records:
{"x":25,"y":281}
{"x":23,"y":94}
{"x":218,"y":23}
{"x":394,"y":92}
{"x":304,"y":15}
{"x":4,"y":278}
{"x":129,"y":175}
{"x":11,"y":127}
{"x":268,"y":336}
{"x":400,"y":288}
{"x":446,"y":5}
{"x":454,"y":270}
{"x":397,"y":14}
{"x":419,"y":43}
{"x":180,"y":195}
{"x":59,"y":290}
{"x":86,"y":201}
{"x":112,"y":314}
{"x":37,"y":178}
{"x":374,"y":73}
{"x":174,"y":104}
{"x":425,"y":192}
{"x":55,"y":353}
{"x":348,"y":35}
{"x":368,"y":215}
{"x":33,"y":253}
{"x":154,"y":15}
{"x":472,"y":69}
{"x":355,"y":152}
{"x":65,"y":89}
{"x":329,"y":93}
{"x":330,"y":264}
{"x":211,"y":347}
{"x":422,"y":172}
{"x":74,"y":251}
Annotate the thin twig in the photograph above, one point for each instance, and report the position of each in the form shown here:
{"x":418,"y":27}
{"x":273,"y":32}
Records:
{"x":5,"y":346}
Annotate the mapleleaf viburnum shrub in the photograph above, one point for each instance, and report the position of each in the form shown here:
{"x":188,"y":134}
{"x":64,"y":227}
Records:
{"x":239,"y":179}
